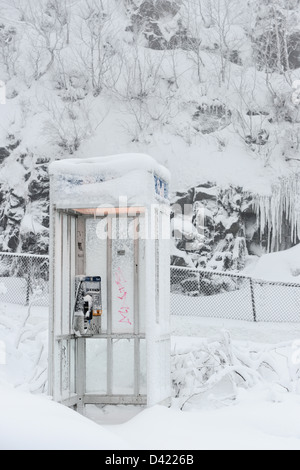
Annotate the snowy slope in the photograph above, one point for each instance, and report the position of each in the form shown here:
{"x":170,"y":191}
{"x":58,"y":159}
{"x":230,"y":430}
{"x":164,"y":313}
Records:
{"x":182,"y":81}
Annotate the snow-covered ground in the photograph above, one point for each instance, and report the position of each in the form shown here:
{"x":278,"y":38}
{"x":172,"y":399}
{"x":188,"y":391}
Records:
{"x":24,"y":338}
{"x":30,"y":422}
{"x":262,"y":333}
{"x":283,"y":266}
{"x":263,"y":414}
{"x":258,"y":420}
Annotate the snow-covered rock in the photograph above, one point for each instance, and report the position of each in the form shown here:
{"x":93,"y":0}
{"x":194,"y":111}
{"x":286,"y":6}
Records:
{"x":221,"y":228}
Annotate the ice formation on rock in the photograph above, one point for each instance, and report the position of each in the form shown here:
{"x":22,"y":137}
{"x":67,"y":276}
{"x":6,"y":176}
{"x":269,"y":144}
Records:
{"x":277,"y":210}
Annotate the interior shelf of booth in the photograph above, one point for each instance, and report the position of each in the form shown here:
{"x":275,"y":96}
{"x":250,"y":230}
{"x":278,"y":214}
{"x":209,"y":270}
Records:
{"x":103,"y":336}
{"x":110,"y":211}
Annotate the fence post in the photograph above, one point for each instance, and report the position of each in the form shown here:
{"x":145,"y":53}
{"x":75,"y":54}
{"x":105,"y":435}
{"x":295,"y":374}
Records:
{"x":253,"y":300}
{"x":29,"y":282}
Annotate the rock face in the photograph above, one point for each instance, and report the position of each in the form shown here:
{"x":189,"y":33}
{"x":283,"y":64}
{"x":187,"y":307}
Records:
{"x":4,"y":153}
{"x":212,"y":228}
{"x":217,"y":228}
{"x":150,"y":17}
{"x":38,"y":187}
{"x":24,"y":205}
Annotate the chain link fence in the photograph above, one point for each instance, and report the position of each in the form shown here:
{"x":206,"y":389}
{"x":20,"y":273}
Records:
{"x":210,"y":294}
{"x":194,"y":292}
{"x":24,"y":279}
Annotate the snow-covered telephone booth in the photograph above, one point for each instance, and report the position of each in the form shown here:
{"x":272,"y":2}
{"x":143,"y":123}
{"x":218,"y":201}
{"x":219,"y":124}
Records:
{"x":110,"y":281}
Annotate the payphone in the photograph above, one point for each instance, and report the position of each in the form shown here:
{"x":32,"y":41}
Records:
{"x":88,"y":306}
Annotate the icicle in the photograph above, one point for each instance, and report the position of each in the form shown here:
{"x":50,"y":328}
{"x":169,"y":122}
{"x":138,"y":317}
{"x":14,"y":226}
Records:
{"x":283,"y":206}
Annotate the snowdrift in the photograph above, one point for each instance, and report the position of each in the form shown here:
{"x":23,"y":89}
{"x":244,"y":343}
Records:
{"x":283,"y":266}
{"x":29,"y":422}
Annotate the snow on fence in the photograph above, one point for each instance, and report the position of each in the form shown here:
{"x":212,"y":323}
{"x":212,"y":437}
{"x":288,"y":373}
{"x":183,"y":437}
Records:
{"x":212,"y":294}
{"x":24,"y":278}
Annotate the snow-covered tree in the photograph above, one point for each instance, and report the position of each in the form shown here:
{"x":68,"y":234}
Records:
{"x":97,"y":54}
{"x":275,"y":36}
{"x":9,"y":48}
{"x":44,"y":27}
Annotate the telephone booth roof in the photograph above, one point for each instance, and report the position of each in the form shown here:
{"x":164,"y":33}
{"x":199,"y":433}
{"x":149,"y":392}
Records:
{"x":104,"y":181}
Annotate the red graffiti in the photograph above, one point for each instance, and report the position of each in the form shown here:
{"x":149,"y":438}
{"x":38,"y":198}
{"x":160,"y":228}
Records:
{"x":121,"y":284}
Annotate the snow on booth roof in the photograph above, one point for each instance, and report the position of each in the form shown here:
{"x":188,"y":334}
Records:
{"x":97,"y":182}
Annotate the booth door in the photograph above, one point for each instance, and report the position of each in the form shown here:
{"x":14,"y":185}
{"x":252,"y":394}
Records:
{"x":114,"y":257}
{"x":113,"y":361}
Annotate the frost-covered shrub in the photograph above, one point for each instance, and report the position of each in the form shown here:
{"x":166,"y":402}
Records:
{"x":68,"y":125}
{"x":218,"y":363}
{"x":190,"y":286}
{"x":71,"y":86}
{"x":8,"y":48}
{"x":261,"y":138}
{"x":275,"y":38}
{"x":285,"y":109}
{"x":211,"y":116}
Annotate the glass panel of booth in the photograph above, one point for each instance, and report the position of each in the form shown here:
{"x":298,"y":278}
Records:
{"x":113,"y":249}
{"x":123,"y":367}
{"x":96,"y":366}
{"x":96,"y":260}
{"x":64,"y":273}
{"x":65,"y":369}
{"x":162,"y":261}
{"x":157,"y":266}
{"x":57,"y":288}
{"x":124,"y":376}
{"x":143,"y":368}
{"x":123,"y":278}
